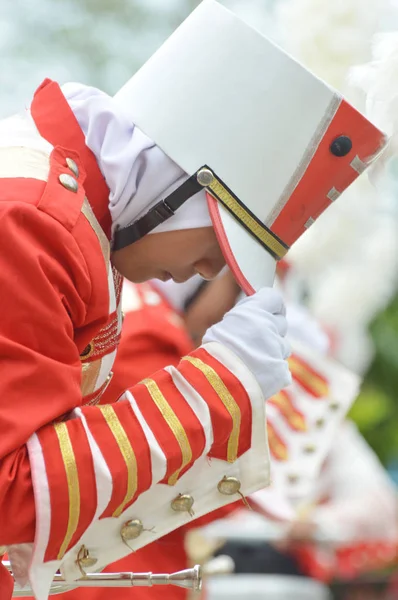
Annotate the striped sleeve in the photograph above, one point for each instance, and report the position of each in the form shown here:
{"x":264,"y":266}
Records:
{"x":304,"y":419}
{"x":98,"y":462}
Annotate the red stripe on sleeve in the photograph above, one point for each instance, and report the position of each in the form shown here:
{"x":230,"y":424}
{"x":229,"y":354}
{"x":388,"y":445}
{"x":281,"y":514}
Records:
{"x":61,"y":491}
{"x":284,"y":404}
{"x":166,"y":435}
{"x":113,"y":456}
{"x":222,"y":421}
{"x":310,"y":380}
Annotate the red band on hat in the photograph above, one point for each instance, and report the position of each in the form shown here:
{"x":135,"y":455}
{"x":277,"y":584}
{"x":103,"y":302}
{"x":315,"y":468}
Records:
{"x":326,"y":171}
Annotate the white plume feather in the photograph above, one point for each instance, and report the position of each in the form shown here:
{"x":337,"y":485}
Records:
{"x":348,"y":259}
{"x":329,"y":36}
{"x":379,"y":80}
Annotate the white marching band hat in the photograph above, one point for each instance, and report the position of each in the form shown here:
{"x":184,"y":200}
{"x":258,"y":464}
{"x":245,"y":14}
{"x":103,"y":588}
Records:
{"x":272,"y":144}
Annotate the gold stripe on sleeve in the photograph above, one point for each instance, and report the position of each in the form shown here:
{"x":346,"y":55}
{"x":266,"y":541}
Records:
{"x":228,"y":401}
{"x":175,"y":425}
{"x":126,"y":451}
{"x":72,"y":478}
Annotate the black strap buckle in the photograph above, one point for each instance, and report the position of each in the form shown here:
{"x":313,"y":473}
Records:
{"x":163,"y":211}
{"x":158,"y":214}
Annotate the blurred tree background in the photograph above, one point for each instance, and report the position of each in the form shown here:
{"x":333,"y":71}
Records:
{"x":376,"y":409}
{"x":98,"y":42}
{"x":102,"y":43}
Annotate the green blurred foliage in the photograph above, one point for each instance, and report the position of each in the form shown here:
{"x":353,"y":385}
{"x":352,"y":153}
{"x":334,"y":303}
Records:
{"x":376,"y":409}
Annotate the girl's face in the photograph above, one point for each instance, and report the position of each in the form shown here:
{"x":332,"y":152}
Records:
{"x":176,"y":255}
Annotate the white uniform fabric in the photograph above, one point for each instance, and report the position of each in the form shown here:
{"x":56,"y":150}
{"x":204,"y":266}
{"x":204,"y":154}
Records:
{"x":362,"y":500}
{"x":136,"y":171}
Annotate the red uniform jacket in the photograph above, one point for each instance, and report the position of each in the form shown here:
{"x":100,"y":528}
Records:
{"x":153,"y":336}
{"x":72,"y":471}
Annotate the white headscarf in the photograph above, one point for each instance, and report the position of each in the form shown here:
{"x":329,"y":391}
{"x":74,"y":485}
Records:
{"x":136,"y":171}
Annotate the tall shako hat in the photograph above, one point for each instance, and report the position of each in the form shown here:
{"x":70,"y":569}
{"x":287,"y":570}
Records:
{"x":272,"y":144}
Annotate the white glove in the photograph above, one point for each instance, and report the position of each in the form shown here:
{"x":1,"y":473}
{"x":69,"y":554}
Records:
{"x":255,"y":331}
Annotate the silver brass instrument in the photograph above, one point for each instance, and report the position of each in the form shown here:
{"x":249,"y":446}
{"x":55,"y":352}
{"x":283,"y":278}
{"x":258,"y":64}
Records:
{"x":188,"y":578}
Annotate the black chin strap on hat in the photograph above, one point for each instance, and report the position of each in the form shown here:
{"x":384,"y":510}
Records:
{"x":161,"y":212}
{"x":206,"y":179}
